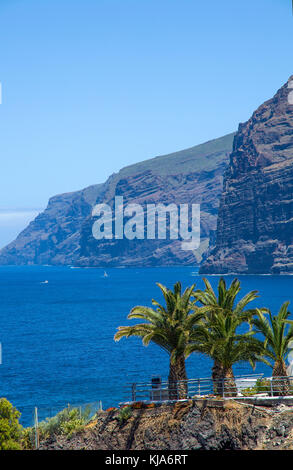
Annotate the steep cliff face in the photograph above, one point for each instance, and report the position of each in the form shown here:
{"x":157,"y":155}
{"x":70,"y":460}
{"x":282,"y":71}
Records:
{"x":255,"y":220}
{"x":149,"y":188}
{"x":62,"y":234}
{"x":53,"y":236}
{"x":192,"y":425}
{"x":191,"y":176}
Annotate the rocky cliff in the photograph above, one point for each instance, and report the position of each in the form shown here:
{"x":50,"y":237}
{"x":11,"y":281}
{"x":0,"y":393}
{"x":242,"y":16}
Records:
{"x":193,"y":425}
{"x":53,"y":236}
{"x":255,"y":220}
{"x":62,"y":234}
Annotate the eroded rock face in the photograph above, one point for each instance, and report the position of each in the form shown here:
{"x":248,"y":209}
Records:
{"x":53,"y":236}
{"x":255,"y":219}
{"x":62,"y":234}
{"x":193,"y":425}
{"x":148,"y":188}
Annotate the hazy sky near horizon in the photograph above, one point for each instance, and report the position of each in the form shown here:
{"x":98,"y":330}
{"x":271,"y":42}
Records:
{"x":90,"y":86}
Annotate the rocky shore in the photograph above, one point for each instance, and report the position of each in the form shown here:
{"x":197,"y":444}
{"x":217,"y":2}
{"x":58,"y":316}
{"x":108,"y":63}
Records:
{"x":190,"y":425}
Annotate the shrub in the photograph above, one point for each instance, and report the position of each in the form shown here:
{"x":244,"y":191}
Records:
{"x":28,"y":438}
{"x":150,"y":405}
{"x":10,"y":429}
{"x":261,"y":386}
{"x":138,"y":405}
{"x":112,"y":408}
{"x":124,"y":414}
{"x":66,"y":422}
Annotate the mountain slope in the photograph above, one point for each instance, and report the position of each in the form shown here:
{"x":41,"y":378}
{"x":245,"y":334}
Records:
{"x":255,"y":223}
{"x":61,"y":235}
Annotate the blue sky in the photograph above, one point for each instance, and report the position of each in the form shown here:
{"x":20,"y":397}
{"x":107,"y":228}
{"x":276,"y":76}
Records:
{"x":90,"y":86}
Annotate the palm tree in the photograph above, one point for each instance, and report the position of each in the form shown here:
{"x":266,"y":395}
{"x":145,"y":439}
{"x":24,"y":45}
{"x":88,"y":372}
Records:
{"x":276,"y":345}
{"x":171,"y":328}
{"x":218,"y":335}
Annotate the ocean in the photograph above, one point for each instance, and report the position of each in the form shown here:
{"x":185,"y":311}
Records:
{"x":58,"y":323}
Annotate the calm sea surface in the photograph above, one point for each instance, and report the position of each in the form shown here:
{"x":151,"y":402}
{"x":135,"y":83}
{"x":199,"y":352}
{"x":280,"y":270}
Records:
{"x":57,"y":336}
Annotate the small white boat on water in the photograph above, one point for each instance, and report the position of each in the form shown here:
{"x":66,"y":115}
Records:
{"x":105,"y":274}
{"x":44,"y":282}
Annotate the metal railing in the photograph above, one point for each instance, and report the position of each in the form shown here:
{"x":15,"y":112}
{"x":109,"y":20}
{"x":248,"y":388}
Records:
{"x":270,"y":387}
{"x":237,"y":386}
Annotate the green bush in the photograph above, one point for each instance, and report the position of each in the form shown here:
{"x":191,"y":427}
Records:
{"x":66,"y":422}
{"x":261,"y":386}
{"x":124,"y":414}
{"x":28,"y":438}
{"x":10,"y":429}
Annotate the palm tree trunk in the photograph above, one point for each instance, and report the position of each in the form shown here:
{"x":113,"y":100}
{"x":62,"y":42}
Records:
{"x":178,"y":379}
{"x":217,"y":376}
{"x":281,"y":387}
{"x":223,"y":380}
{"x":230,"y":388}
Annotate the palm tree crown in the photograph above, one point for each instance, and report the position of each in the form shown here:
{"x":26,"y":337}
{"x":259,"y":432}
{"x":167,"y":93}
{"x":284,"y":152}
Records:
{"x":277,"y":336}
{"x":170,"y":327}
{"x":217,"y":335}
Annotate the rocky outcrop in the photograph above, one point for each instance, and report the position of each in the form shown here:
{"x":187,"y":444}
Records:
{"x":62,"y":234}
{"x":255,"y":220}
{"x":192,"y":425}
{"x":149,"y":188}
{"x":53,"y":236}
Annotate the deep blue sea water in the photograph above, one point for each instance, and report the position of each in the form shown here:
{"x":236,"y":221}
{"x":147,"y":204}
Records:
{"x":57,"y":337}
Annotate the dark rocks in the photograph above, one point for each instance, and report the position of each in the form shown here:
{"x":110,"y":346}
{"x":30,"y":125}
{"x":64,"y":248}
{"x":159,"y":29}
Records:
{"x":201,"y":426}
{"x":53,"y":236}
{"x":62,"y":234}
{"x":255,"y":220}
